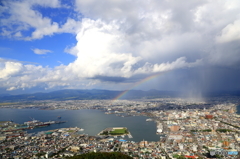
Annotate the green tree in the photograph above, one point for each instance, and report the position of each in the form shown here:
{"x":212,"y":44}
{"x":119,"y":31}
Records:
{"x":40,"y":154}
{"x":181,"y":157}
{"x":101,"y":155}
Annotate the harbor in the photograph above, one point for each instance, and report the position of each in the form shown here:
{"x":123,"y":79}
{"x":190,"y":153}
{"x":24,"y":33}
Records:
{"x":92,"y":121}
{"x":10,"y":126}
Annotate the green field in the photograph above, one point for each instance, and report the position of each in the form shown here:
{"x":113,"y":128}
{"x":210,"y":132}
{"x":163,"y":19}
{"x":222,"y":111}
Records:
{"x":114,"y":131}
{"x":119,"y":131}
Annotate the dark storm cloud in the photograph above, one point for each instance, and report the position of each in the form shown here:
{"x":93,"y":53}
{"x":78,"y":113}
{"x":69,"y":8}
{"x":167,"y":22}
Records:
{"x":109,"y":79}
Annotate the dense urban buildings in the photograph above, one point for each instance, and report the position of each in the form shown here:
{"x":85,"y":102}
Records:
{"x":186,"y":129}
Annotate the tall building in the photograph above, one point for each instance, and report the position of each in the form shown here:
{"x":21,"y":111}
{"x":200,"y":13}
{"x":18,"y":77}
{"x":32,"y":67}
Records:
{"x":143,"y":143}
{"x":180,"y":146}
{"x":225,"y":143}
{"x":195,"y":148}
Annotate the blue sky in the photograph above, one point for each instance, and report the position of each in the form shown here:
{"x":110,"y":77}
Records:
{"x":23,"y":50}
{"x":78,"y":44}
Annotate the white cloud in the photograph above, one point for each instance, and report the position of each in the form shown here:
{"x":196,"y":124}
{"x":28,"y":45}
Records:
{"x":41,"y":51}
{"x":106,"y":52}
{"x":99,"y":48}
{"x":230,"y":33}
{"x":18,"y":34}
{"x":22,"y":18}
{"x":11,"y":88}
{"x":102,"y":50}
{"x":163,"y":67}
{"x":71,"y":26}
{"x":9,"y":69}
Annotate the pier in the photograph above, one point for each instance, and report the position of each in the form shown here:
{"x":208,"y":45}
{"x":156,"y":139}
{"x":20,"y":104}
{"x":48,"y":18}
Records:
{"x":12,"y":127}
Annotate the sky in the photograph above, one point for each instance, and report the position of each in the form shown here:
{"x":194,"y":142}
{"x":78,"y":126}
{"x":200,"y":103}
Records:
{"x":189,"y":46}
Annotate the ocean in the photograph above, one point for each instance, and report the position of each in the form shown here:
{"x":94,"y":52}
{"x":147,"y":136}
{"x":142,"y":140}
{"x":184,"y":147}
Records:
{"x":92,"y":121}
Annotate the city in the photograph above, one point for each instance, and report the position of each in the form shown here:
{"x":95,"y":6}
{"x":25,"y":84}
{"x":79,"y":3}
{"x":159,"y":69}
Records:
{"x":186,"y":129}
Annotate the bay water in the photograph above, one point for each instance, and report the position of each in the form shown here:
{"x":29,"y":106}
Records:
{"x":92,"y":121}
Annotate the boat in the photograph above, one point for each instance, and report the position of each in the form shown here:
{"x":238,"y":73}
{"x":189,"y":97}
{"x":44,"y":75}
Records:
{"x":130,"y":136}
{"x":81,"y":129}
{"x":31,"y":122}
{"x":50,"y":122}
{"x":41,"y":125}
{"x":149,"y":119}
{"x":159,"y":130}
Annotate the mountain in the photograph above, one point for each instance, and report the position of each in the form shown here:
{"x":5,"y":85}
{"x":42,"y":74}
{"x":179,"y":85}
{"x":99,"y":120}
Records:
{"x":3,"y":95}
{"x":71,"y":94}
{"x":75,"y":94}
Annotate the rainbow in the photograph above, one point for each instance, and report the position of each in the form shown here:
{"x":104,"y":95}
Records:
{"x":135,"y":85}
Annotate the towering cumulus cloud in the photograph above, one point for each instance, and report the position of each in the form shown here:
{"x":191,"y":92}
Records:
{"x":121,"y":42}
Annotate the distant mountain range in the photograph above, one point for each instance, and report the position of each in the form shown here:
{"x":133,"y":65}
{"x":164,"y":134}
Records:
{"x":71,"y":94}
